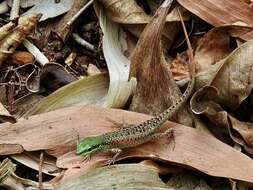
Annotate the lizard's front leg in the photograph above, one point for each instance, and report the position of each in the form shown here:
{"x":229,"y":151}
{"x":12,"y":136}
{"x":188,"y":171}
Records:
{"x":116,"y":152}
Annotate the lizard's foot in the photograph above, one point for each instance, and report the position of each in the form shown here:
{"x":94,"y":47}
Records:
{"x":86,"y":158}
{"x":117,"y":152}
{"x":169,"y":134}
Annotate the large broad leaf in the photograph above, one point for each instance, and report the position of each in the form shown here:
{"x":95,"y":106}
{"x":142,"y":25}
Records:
{"x":57,"y":132}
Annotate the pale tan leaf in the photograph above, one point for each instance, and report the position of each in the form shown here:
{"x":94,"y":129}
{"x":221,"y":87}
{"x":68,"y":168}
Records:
{"x":120,"y":88}
{"x":123,"y":176}
{"x":86,"y":91}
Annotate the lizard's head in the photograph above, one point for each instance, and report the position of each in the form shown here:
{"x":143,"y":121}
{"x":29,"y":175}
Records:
{"x":88,"y":145}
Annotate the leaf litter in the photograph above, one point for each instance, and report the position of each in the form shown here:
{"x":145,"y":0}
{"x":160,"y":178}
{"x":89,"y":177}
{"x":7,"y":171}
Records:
{"x":50,"y":79}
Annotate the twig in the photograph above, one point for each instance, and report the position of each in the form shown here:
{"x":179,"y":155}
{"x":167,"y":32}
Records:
{"x":40,"y":171}
{"x":38,"y":55}
{"x":82,"y":42}
{"x":72,"y":20}
{"x":15,"y":9}
{"x":191,"y":58}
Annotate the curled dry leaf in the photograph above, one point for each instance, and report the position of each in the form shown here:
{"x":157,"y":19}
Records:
{"x":129,"y":12}
{"x":121,"y":177}
{"x":125,"y":11}
{"x":17,"y":35}
{"x":120,"y":88}
{"x":215,"y":45}
{"x":86,"y":91}
{"x":21,"y":58}
{"x":220,"y":13}
{"x":57,"y":75}
{"x":57,"y":133}
{"x":134,"y":18}
{"x":206,"y":101}
{"x":156,"y":87}
{"x":148,"y":66}
{"x":232,"y":76}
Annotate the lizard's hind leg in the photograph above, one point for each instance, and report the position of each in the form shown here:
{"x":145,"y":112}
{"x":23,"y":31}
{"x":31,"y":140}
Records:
{"x":167,"y":134}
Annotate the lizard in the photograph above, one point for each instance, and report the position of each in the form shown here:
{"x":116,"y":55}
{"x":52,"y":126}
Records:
{"x":128,"y":137}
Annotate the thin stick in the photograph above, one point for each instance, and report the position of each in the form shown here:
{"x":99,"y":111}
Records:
{"x":38,"y":55}
{"x":191,"y":59}
{"x":82,"y":42}
{"x":72,"y":20}
{"x":40,"y":171}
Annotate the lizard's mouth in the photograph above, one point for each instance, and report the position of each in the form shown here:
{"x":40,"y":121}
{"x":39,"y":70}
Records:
{"x":88,"y":150}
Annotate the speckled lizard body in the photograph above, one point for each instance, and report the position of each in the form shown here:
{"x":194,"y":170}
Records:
{"x":139,"y":134}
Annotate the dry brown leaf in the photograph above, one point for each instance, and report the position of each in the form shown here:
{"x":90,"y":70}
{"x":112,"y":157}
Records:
{"x":206,"y":101}
{"x":21,"y":58}
{"x":125,"y":11}
{"x":148,"y":66}
{"x":218,"y":13}
{"x":57,"y":132}
{"x":156,"y":88}
{"x":232,"y":76}
{"x":215,"y":45}
{"x":129,"y":13}
{"x":179,"y":66}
